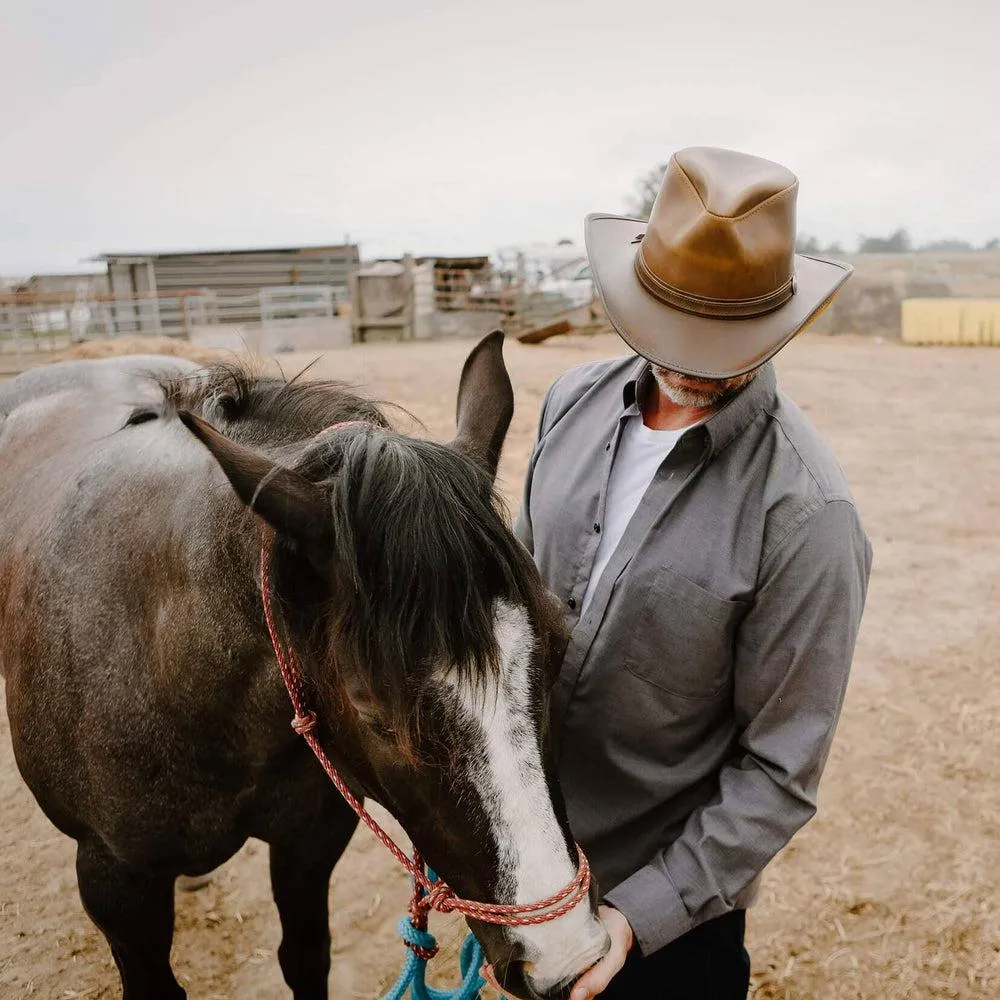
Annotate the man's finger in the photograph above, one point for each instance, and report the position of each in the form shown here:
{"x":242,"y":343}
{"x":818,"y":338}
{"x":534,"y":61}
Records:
{"x":596,"y":980}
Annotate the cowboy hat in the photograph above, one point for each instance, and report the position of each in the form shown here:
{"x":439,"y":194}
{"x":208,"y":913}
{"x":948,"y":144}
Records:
{"x":711,"y":286}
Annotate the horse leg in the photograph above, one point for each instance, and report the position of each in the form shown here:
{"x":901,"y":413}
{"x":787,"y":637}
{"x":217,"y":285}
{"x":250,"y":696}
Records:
{"x":135,"y":912}
{"x":300,"y":881}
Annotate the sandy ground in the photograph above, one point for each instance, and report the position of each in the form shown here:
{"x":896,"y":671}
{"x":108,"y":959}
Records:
{"x":891,"y":892}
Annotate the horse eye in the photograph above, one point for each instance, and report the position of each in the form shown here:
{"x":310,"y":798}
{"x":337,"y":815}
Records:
{"x":375,"y":724}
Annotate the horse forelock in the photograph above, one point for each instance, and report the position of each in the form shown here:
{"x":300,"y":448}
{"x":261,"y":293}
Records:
{"x":421,"y":557}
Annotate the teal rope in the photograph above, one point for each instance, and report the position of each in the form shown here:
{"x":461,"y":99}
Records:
{"x":415,"y":969}
{"x":412,"y":976}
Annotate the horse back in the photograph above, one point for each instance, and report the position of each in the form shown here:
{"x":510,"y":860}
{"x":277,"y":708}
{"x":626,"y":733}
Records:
{"x":134,"y":664}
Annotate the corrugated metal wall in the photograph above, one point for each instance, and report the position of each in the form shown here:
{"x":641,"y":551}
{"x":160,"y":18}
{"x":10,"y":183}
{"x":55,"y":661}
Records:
{"x":244,"y":272}
{"x":951,"y":321}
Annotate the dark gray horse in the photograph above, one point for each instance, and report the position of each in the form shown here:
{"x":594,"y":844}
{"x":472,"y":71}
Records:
{"x":146,"y":709}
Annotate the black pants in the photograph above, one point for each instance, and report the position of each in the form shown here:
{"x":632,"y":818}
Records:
{"x":708,"y":963}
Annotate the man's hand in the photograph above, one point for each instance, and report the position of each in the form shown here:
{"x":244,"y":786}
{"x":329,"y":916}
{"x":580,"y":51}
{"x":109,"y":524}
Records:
{"x":596,"y":980}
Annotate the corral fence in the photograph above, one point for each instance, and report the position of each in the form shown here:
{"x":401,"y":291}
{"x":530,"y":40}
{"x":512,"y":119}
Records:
{"x":431,"y":297}
{"x":417,"y":298}
{"x":36,"y":323}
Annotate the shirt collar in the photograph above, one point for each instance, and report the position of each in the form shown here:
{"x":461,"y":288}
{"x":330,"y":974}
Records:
{"x":725,"y":425}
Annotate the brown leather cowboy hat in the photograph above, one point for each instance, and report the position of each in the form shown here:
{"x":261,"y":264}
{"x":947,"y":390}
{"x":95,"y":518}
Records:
{"x":711,"y":286}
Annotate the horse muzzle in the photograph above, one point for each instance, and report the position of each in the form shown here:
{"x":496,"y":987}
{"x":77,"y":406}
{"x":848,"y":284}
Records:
{"x":517,"y":984}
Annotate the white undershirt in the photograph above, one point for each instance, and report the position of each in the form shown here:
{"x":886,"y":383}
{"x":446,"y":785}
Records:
{"x":641,"y":452}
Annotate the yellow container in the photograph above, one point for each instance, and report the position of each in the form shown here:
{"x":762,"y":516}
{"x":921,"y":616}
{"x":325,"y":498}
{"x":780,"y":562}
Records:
{"x":973,"y":322}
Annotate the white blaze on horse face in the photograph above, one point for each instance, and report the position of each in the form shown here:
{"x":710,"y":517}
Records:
{"x":534,"y":861}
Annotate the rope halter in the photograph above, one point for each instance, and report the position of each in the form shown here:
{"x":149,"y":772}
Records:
{"x":428,"y":894}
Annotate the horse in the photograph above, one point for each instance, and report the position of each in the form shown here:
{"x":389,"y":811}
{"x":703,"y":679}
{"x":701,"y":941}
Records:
{"x":147,"y":713}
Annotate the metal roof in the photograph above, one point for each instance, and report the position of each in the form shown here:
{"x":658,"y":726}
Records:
{"x":332,"y":248}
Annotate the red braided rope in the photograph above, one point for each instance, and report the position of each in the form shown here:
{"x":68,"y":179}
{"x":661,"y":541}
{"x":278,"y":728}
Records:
{"x":427,"y":895}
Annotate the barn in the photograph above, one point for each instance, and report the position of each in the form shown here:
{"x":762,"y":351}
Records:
{"x":244,"y":286}
{"x":231,"y":272}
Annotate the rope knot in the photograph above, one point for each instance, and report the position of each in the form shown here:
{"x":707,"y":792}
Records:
{"x":440,"y":898}
{"x":304,"y":723}
{"x":420,"y":941}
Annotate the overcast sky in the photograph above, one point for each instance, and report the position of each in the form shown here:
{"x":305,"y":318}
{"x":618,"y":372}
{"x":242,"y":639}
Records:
{"x":460,"y":127}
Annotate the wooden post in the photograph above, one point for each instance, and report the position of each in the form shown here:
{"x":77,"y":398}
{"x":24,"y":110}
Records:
{"x":409,"y":295}
{"x":354,"y":301}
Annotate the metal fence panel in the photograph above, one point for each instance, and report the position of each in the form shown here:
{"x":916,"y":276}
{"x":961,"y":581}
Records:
{"x":40,"y":324}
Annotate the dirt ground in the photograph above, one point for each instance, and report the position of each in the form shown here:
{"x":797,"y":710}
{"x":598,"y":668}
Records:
{"x":892,"y":892}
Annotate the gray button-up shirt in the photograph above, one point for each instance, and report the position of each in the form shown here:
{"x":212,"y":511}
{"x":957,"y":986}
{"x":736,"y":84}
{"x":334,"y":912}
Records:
{"x":699,"y":693}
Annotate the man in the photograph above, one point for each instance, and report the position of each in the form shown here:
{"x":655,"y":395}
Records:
{"x":713,"y":570}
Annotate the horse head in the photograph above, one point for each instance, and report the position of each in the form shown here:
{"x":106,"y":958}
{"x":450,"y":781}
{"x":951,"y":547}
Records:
{"x":429,"y":644}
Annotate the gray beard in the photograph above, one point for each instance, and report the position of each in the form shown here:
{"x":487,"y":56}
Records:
{"x":700,"y":399}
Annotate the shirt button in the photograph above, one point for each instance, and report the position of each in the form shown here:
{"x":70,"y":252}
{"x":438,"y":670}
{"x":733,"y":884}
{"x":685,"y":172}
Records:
{"x":572,"y":603}
{"x":597,"y":527}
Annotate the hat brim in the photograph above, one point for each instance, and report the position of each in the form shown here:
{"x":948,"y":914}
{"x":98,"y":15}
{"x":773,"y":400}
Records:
{"x":697,"y":345}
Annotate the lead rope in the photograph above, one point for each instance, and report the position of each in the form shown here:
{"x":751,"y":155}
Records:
{"x":421,"y":947}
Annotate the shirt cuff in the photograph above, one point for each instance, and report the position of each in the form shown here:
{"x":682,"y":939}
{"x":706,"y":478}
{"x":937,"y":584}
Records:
{"x":653,"y":908}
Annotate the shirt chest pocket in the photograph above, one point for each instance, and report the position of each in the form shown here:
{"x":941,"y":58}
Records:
{"x":683,"y":637}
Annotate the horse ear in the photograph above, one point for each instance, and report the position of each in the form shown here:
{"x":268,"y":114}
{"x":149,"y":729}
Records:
{"x":295,"y":507}
{"x":485,"y":403}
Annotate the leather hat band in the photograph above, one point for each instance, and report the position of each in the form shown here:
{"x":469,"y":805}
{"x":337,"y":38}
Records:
{"x":700,"y":305}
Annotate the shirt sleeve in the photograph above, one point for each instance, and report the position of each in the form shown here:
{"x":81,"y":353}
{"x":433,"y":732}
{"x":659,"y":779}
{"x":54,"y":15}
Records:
{"x":522,"y":525}
{"x":792,"y":659}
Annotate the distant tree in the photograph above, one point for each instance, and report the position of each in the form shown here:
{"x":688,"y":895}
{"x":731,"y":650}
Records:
{"x":993,"y":244}
{"x":898,"y":242}
{"x":647,"y":187}
{"x":946,"y":246}
{"x":811,"y":245}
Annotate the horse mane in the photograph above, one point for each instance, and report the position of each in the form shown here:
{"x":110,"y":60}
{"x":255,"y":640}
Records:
{"x":262,"y":409}
{"x":421,"y":544}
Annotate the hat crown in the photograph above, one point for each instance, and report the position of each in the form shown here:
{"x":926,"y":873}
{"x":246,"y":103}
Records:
{"x":722,"y":229}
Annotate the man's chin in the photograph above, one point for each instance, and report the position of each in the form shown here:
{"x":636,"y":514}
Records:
{"x":691,"y":398}
{"x":691,"y":393}
{"x":697,"y":393}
